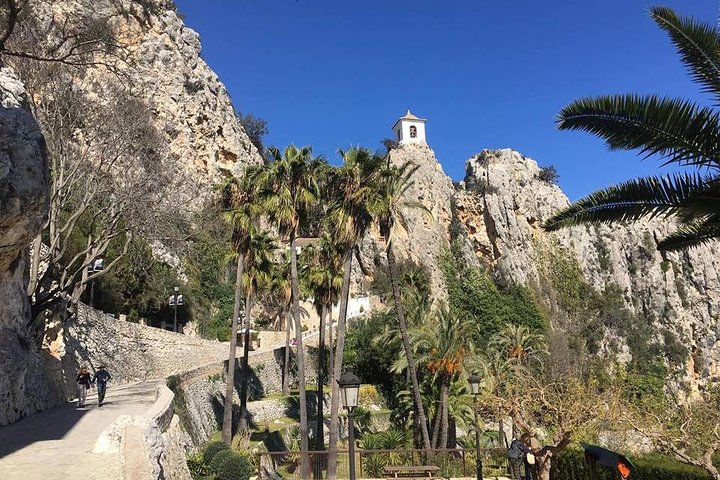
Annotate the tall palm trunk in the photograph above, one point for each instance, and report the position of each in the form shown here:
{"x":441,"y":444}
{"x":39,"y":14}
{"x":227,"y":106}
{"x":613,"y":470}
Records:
{"x":304,"y":441}
{"x":337,"y":366}
{"x":230,"y":377}
{"x":330,"y":344}
{"x":320,"y":443}
{"x":422,"y":420}
{"x":245,"y":367}
{"x":286,"y":363}
{"x":445,"y":418}
{"x":436,"y":426}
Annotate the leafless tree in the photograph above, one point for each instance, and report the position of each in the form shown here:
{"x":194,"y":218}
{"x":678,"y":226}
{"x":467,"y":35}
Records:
{"x":111,"y":179}
{"x":81,"y":37}
{"x":688,"y":430}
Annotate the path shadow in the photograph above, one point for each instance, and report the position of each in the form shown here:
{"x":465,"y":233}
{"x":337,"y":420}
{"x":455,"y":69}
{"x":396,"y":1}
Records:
{"x":56,"y":423}
{"x":51,"y":424}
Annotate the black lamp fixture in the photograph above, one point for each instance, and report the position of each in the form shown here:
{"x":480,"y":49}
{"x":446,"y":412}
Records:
{"x":474,"y":381}
{"x":349,"y":385}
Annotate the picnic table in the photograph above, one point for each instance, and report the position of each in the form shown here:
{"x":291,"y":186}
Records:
{"x":413,"y":471}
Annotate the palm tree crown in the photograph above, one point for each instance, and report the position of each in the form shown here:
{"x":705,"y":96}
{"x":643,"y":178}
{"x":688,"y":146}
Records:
{"x":676,"y":131}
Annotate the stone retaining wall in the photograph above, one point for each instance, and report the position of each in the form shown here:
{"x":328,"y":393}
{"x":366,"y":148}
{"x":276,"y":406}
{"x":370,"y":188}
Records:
{"x":133,"y":352}
{"x":201,"y":391}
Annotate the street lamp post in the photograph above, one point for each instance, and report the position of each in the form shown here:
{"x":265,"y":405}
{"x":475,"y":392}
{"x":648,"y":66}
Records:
{"x":349,"y":385}
{"x":97,"y":266}
{"x":474,"y":381}
{"x":175,"y":300}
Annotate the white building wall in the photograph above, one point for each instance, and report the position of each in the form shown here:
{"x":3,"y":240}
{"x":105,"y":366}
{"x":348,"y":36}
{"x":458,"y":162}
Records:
{"x":356,"y":307}
{"x":403,"y":128}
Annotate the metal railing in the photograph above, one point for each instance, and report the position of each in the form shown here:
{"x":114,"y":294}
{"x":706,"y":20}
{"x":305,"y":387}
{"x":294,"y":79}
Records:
{"x":369,"y":464}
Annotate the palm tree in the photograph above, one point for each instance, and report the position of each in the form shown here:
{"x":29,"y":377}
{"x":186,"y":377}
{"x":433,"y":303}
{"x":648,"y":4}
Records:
{"x":388,"y":206}
{"x":676,"y":131}
{"x":240,"y":212}
{"x":287,"y":191}
{"x":353,"y":187}
{"x":518,"y":343}
{"x":441,"y":344}
{"x":282,"y":290}
{"x":258,"y":275}
{"x":323,"y":280}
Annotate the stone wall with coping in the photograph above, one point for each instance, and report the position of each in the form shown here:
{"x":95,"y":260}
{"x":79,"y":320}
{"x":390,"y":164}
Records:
{"x":131,"y":352}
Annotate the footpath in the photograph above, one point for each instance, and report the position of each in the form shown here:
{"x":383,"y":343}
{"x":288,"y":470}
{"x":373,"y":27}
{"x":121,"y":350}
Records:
{"x":57,"y":444}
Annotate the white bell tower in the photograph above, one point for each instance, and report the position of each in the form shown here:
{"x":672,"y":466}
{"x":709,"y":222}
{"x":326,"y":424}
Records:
{"x":409,"y":129}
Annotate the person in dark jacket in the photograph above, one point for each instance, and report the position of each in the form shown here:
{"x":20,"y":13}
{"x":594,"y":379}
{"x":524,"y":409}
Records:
{"x":83,"y":384}
{"x":101,"y":377}
{"x":516,"y":455}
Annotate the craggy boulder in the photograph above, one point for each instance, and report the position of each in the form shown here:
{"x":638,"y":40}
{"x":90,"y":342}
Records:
{"x":23,"y":209}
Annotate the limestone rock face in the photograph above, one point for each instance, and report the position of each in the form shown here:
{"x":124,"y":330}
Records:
{"x":502,"y":204}
{"x":427,"y":230}
{"x":23,"y":208}
{"x":161,"y":61}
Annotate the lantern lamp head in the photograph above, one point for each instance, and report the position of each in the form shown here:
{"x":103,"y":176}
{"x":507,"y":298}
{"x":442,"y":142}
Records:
{"x":349,"y":385}
{"x":474,"y":381}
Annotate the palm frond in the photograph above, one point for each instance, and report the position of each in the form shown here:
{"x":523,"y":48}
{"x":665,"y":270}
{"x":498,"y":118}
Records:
{"x":676,"y":130}
{"x":691,"y":236}
{"x":634,"y":200}
{"x":697,"y":44}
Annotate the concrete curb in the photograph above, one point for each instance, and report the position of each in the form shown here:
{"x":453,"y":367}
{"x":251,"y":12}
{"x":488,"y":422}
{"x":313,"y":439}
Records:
{"x":142,"y":445}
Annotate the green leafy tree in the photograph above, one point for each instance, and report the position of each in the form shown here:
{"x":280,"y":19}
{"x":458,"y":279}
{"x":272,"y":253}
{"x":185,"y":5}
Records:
{"x":240,"y":213}
{"x":281,"y":288}
{"x":352,"y":188}
{"x":257,"y":275}
{"x":440,"y":345}
{"x":677,"y":131}
{"x":323,"y":281}
{"x":389,"y":208}
{"x":519,"y":344}
{"x":256,"y":129}
{"x":287,"y":191}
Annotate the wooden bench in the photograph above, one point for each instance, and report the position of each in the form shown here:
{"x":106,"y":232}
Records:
{"x":412,"y":472}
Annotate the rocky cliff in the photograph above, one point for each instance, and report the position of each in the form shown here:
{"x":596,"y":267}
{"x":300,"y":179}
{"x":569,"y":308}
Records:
{"x":146,"y":52}
{"x":157,"y":57}
{"x":501,"y":205}
{"x":23,"y":208}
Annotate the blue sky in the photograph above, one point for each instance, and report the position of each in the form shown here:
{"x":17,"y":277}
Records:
{"x":485,"y":73}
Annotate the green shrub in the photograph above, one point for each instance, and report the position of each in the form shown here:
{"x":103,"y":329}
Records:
{"x":219,"y":458}
{"x":212,"y":449}
{"x":197,"y":466}
{"x":237,"y":466}
{"x":570,"y":465}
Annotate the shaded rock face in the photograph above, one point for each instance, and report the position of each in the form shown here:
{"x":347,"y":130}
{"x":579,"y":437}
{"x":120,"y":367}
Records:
{"x":23,"y":209}
{"x":501,"y":205}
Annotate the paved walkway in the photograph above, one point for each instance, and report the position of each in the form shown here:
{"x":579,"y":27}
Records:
{"x":56,"y":444}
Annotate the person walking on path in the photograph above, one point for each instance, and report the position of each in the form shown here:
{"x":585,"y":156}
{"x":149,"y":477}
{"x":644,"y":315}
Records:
{"x":83,"y":384}
{"x":100,"y":379}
